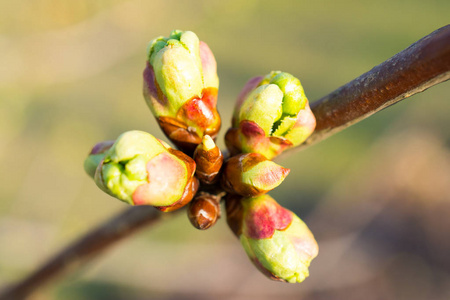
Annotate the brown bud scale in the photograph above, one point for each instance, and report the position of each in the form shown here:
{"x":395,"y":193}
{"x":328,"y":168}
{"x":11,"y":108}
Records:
{"x":208,"y":163}
{"x":234,"y":211}
{"x":179,"y":134}
{"x":204,"y":211}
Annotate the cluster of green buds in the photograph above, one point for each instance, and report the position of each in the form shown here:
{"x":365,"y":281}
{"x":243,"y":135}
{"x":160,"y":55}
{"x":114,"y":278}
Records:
{"x":272,"y":114}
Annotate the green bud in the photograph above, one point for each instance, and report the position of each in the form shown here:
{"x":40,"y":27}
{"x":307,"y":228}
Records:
{"x":263,"y":106}
{"x":294,"y":97}
{"x":133,"y":143}
{"x":268,"y":114}
{"x":138,"y":169}
{"x":180,"y":87}
{"x":278,"y":242}
{"x":178,"y":74}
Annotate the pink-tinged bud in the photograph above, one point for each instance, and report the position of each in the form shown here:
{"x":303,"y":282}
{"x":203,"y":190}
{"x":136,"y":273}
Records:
{"x":140,"y":170}
{"x":181,"y":86}
{"x":271,"y":115}
{"x":278,"y":243}
{"x":251,"y":174}
{"x":209,"y":159}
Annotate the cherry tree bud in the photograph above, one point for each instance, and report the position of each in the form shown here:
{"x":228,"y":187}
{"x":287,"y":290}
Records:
{"x":140,"y":170}
{"x":209,"y":160}
{"x":251,"y":174}
{"x":181,"y":86}
{"x":278,"y":242}
{"x":204,"y":211}
{"x":271,"y":114}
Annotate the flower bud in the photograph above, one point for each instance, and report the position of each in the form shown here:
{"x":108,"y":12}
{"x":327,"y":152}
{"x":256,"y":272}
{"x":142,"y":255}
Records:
{"x":278,"y":242}
{"x":209,"y":160}
{"x":204,"y":211}
{"x":180,"y":87}
{"x":138,"y":169}
{"x":252,"y":174}
{"x":271,"y":114}
{"x":96,"y":156}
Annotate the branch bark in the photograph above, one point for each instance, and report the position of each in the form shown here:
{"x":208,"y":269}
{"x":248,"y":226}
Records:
{"x":413,"y":70}
{"x":420,"y":66}
{"x":86,"y":248}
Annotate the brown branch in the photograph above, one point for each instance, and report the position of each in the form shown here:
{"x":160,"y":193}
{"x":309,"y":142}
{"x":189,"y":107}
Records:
{"x":420,"y":66}
{"x":89,"y":246}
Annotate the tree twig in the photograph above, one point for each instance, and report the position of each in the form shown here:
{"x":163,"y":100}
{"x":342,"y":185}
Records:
{"x":413,"y":70}
{"x":420,"y":66}
{"x":87,"y":247}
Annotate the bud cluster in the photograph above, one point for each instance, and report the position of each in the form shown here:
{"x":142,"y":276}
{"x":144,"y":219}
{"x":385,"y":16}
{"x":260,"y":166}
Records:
{"x":271,"y":115}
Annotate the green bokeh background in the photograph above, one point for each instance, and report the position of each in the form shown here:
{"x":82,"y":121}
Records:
{"x":376,"y":195}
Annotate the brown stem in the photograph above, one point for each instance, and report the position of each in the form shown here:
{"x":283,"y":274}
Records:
{"x":420,"y":66}
{"x":89,"y":246}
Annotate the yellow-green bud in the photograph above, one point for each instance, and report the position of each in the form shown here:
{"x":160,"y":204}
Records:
{"x":278,"y":242}
{"x":138,"y":169}
{"x":180,"y":87}
{"x":271,"y":115}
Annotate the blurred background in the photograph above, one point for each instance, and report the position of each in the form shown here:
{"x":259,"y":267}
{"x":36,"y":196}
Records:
{"x":376,"y":196}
